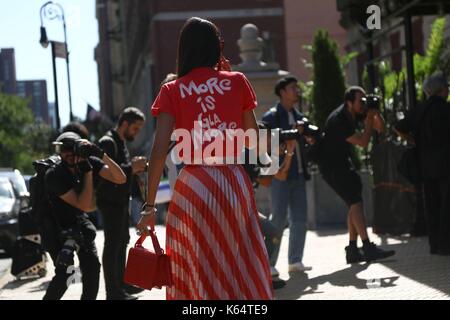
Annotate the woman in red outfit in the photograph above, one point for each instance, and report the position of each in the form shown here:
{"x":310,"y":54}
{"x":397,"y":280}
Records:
{"x":213,"y":233}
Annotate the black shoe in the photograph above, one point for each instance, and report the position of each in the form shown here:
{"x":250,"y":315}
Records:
{"x":372,"y":252}
{"x":278,"y":283}
{"x":121,"y":296}
{"x":132,"y":289}
{"x":353,"y":255}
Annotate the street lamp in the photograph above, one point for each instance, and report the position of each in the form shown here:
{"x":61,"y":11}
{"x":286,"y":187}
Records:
{"x":52,"y":10}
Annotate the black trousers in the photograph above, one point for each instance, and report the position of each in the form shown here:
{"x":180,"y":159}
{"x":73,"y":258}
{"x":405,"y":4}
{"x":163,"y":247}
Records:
{"x":420,"y":222}
{"x":116,"y":230}
{"x":270,"y":233}
{"x":437,"y":204}
{"x":89,"y":266}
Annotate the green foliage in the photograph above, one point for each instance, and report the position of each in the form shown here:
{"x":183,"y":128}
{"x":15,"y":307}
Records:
{"x":347,"y":58}
{"x":328,"y":77}
{"x":426,"y":65}
{"x":306,"y":93}
{"x":21,"y":140}
{"x":392,"y":85}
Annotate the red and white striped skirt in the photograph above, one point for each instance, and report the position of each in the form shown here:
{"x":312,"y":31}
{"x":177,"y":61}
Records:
{"x":214,"y":237}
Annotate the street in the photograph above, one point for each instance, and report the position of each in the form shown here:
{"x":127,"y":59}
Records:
{"x":411,"y":274}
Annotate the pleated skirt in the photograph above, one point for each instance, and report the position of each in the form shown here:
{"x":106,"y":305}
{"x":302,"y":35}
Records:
{"x":214,"y":239}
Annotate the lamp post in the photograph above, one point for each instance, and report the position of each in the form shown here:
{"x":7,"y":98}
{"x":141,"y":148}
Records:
{"x":52,"y":10}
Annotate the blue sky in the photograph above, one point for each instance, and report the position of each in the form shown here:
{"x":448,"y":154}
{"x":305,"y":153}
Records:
{"x":19,"y":25}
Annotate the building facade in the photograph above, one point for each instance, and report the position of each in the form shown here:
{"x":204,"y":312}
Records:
{"x":8,"y":83}
{"x":303,"y":19}
{"x":390,"y":43}
{"x":36,"y":91}
{"x":138,"y":45}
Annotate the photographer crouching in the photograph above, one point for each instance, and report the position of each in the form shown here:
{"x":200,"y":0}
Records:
{"x":339,"y":171}
{"x":70,"y":186}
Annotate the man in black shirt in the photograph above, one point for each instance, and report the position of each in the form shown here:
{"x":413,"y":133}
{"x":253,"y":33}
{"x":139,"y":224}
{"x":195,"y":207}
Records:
{"x":339,"y":172}
{"x":433,"y":139}
{"x":113,"y":201}
{"x":70,"y":186}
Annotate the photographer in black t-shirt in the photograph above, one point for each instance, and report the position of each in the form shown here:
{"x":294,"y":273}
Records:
{"x":70,"y":186}
{"x":339,"y":172}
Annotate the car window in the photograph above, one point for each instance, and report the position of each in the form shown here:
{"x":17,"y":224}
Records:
{"x":6,"y":190}
{"x":17,"y":180}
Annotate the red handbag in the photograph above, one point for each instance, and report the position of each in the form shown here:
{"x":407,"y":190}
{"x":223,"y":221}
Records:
{"x":146,"y":269}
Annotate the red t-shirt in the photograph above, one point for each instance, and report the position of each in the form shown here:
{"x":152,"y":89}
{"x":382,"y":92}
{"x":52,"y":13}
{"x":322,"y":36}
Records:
{"x":204,"y":103}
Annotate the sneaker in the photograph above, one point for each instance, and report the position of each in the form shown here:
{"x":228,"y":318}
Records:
{"x":372,"y":252}
{"x":298,"y":266}
{"x":353,"y":255}
{"x":274,"y":272}
{"x":278,"y":283}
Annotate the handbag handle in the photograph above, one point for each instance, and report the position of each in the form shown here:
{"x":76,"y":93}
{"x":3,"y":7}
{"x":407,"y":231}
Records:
{"x":156,"y":246}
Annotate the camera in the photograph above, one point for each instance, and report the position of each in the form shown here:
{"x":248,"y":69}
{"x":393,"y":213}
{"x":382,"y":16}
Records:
{"x":85,"y":150}
{"x":79,"y":148}
{"x":308,"y":130}
{"x":372,"y":101}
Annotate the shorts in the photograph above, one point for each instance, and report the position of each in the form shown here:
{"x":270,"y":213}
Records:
{"x":346,"y":183}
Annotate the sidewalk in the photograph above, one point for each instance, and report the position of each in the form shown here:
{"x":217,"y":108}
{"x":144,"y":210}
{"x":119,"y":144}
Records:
{"x":34,"y":289}
{"x":411,"y":274}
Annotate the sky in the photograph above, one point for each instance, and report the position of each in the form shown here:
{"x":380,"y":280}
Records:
{"x":20,"y":29}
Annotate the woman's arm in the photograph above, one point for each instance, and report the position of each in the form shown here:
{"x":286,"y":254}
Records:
{"x":164,"y":128}
{"x":249,"y":122}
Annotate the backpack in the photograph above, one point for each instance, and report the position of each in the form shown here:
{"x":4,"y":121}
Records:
{"x":42,"y":212}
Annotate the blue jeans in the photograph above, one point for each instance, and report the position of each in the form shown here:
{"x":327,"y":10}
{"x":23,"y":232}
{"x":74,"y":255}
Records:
{"x":288,"y":200}
{"x":135,"y":208}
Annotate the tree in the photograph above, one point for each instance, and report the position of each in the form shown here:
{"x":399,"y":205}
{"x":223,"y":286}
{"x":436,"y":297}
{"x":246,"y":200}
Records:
{"x":328,"y":77}
{"x":21,"y":140}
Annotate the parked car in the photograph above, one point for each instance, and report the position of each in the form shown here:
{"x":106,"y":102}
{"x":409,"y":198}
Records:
{"x":9,"y":212}
{"x":18,"y":183}
{"x":27,"y":181}
{"x":16,"y":178}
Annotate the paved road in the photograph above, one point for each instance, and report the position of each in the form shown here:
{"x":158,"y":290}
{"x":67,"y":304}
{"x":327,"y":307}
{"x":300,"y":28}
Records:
{"x":411,"y":274}
{"x":5,"y":265}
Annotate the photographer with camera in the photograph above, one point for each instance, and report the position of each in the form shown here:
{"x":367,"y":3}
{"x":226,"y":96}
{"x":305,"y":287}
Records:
{"x":70,"y":187}
{"x":288,"y":192}
{"x":339,"y":171}
{"x":113,"y":201}
{"x":258,"y":174}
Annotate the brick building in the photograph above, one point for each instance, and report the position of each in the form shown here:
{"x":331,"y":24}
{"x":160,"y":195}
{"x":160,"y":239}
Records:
{"x":138,"y":40}
{"x":8,"y":83}
{"x":36,"y":91}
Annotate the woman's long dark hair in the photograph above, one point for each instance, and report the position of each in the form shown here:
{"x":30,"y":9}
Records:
{"x":198,"y":46}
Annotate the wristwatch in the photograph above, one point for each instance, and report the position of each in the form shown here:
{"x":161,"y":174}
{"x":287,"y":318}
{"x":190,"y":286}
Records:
{"x":148,"y":209}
